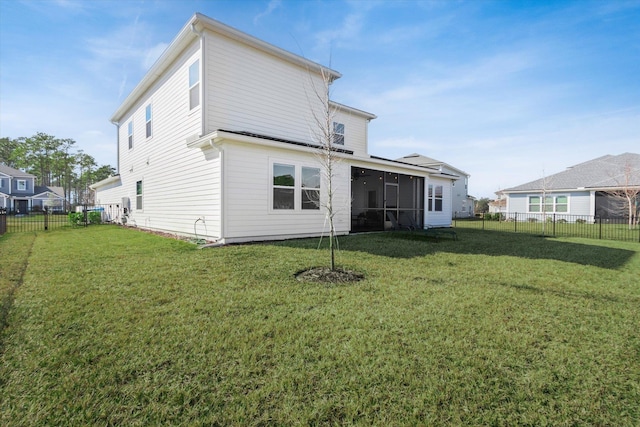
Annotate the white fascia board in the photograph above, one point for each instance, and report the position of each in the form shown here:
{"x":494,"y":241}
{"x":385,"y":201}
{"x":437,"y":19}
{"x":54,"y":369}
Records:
{"x":105,"y":182}
{"x":351,"y":110}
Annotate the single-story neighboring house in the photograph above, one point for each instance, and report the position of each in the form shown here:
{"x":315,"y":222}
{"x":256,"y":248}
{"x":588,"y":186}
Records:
{"x":20,"y":194}
{"x":219,"y":140}
{"x":593,"y":188}
{"x":462,"y":204}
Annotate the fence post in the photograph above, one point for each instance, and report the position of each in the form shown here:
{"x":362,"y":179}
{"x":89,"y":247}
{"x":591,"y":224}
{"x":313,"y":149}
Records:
{"x":554,"y":225}
{"x":515,"y":222}
{"x":600,"y":227}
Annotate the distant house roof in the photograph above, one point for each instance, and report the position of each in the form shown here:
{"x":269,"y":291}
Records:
{"x":601,"y":173}
{"x":16,"y":173}
{"x":420,"y":160}
{"x":41,"y":189}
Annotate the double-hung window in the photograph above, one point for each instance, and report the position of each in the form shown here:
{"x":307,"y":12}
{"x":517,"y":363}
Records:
{"x":284,"y":182}
{"x":194,"y":85}
{"x":310,"y":188}
{"x":21,"y":185}
{"x":435,"y":197}
{"x":130,"y":134}
{"x":147,"y":113}
{"x":139,"y":195}
{"x":295,"y":188}
{"x":338,"y":133}
{"x":549,"y":204}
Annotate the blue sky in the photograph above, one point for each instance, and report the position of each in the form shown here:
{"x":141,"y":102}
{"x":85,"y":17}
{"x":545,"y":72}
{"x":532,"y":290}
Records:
{"x":508,"y":91}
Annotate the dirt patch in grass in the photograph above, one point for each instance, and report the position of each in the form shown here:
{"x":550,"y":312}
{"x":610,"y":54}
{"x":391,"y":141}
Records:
{"x":326,"y":275}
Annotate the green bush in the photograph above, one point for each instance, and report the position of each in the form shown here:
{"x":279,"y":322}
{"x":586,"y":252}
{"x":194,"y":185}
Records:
{"x":94,"y":218}
{"x":77,"y":218}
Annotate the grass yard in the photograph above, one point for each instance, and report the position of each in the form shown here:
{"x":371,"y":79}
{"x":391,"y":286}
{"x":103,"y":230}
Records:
{"x":111,"y":326}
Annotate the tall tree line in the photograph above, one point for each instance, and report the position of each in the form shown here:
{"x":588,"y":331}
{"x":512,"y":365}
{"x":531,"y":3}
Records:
{"x":55,"y":163}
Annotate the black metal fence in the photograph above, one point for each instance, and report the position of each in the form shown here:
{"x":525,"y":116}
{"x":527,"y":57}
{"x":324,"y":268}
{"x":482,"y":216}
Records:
{"x":556,"y":225}
{"x":45,"y":220}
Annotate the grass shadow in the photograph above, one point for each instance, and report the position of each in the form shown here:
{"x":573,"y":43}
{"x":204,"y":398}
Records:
{"x":405,"y":244}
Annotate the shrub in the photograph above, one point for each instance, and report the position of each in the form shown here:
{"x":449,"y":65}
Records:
{"x":76,"y":218}
{"x":94,"y":218}
{"x":580,"y":221}
{"x":532,"y":219}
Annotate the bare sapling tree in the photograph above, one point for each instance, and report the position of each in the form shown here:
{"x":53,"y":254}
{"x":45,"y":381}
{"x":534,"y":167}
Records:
{"x":546,"y":185}
{"x":627,"y":193}
{"x":323,"y":133}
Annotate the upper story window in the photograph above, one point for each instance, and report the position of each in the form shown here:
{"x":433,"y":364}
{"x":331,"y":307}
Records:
{"x":194,"y":85}
{"x":2,"y":182}
{"x":338,"y":133}
{"x":147,"y":113}
{"x":130,"y":134}
{"x":21,"y":185}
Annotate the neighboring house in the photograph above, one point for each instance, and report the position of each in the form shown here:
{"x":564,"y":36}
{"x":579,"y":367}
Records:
{"x":216,"y":140}
{"x":498,"y":205}
{"x":19,"y":194}
{"x":584,"y":189}
{"x":462,"y":203}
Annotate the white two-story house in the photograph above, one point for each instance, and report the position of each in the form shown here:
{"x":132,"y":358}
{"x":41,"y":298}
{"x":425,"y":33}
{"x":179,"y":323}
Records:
{"x":218,"y":140}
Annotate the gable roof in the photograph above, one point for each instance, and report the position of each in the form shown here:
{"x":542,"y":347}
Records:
{"x":420,"y":160}
{"x":15,"y":173}
{"x":603,"y":172}
{"x":41,"y":189}
{"x":188,"y":34}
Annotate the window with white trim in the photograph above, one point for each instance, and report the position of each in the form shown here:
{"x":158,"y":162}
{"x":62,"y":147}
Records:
{"x":194,"y":84}
{"x":139,"y":195}
{"x":435,"y":198}
{"x":21,"y":185}
{"x":130,"y":134}
{"x":284,"y":182}
{"x":549,"y":204}
{"x":338,"y":133}
{"x":310,"y":188}
{"x":147,"y":114}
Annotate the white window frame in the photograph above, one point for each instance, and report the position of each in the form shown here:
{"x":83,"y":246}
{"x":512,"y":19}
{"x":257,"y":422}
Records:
{"x":312,"y":205}
{"x":194,"y":84}
{"x":148,"y":116}
{"x":432,"y":198}
{"x":130,"y":134}
{"x":21,"y":185}
{"x":548,"y":207}
{"x":139,"y":196}
{"x":298,"y":188}
{"x":338,"y":133}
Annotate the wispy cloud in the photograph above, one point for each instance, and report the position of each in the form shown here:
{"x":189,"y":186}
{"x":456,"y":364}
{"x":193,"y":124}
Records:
{"x":273,"y":5}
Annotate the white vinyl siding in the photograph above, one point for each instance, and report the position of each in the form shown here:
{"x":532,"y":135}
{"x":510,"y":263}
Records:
{"x":175,"y":194}
{"x":248,"y":209}
{"x":439,"y":218}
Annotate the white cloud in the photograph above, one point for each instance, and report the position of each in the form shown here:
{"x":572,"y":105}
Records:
{"x":273,"y":5}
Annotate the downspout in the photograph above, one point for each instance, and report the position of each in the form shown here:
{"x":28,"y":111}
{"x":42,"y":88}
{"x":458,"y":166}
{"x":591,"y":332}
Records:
{"x":203,"y":104}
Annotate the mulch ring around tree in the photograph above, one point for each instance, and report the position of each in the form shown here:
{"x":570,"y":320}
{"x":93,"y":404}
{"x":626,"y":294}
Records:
{"x":326,"y":275}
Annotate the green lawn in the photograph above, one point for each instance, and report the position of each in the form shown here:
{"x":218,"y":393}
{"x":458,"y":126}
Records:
{"x":111,"y":326}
